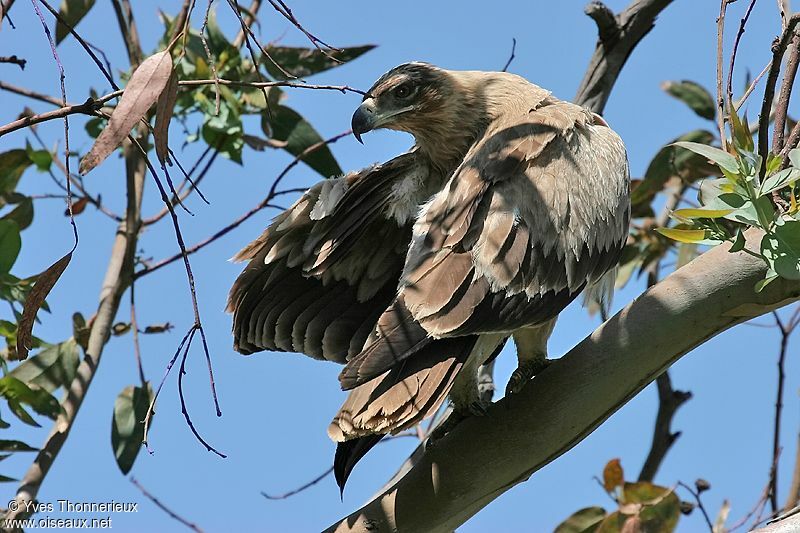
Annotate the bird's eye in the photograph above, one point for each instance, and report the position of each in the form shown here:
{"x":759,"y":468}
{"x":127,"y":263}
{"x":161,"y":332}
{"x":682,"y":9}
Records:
{"x":403,"y":91}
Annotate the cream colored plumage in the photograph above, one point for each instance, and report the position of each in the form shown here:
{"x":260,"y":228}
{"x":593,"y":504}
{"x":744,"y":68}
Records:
{"x":524,"y":202}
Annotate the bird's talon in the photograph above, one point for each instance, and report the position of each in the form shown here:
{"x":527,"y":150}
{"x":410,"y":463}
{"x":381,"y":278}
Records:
{"x":523,"y":374}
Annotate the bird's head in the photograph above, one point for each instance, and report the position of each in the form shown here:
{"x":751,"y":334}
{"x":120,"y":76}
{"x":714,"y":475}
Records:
{"x":410,"y":97}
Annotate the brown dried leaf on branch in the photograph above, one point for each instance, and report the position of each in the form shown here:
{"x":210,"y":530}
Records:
{"x":44,"y":284}
{"x":164,"y":110}
{"x":145,"y":86}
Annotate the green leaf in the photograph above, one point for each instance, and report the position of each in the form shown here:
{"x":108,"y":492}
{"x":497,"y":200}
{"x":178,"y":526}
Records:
{"x":683,"y":235}
{"x":287,"y":125}
{"x":303,"y":62}
{"x":725,"y":160}
{"x":6,"y":479}
{"x":766,"y":281}
{"x":22,"y":214}
{"x":738,"y":243}
{"x":583,"y":521}
{"x":692,"y":94}
{"x":781,"y":249}
{"x":16,"y":446}
{"x":702,"y":212}
{"x":742,"y":136}
{"x":661,"y":507}
{"x":17,"y":393}
{"x":673,"y":162}
{"x":779,"y":180}
{"x":794,"y":157}
{"x":10,"y":244}
{"x":12,"y":165}
{"x":72,"y":11}
{"x":41,"y":158}
{"x":51,"y":368}
{"x":127,"y":426}
{"x":222,"y":131}
{"x":94,"y":126}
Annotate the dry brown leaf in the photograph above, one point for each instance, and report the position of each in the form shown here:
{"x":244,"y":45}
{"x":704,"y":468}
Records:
{"x":78,"y":206}
{"x":613,"y":476}
{"x":146,"y":84}
{"x":164,"y":109}
{"x":44,"y":284}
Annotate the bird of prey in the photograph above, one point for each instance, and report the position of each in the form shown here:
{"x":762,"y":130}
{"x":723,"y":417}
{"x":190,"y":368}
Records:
{"x":414,"y":272}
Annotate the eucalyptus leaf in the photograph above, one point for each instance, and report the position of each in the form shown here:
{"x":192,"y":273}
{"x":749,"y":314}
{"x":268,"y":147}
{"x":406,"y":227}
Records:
{"x":72,"y":11}
{"x":302,"y":62}
{"x":287,"y":125}
{"x":582,"y":521}
{"x":127,"y":426}
{"x":725,"y":160}
{"x":779,"y":180}
{"x":781,"y":249}
{"x":10,"y":244}
{"x":692,"y":94}
{"x":51,"y":368}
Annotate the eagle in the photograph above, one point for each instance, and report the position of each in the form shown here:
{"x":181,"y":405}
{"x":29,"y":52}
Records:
{"x":414,"y":272}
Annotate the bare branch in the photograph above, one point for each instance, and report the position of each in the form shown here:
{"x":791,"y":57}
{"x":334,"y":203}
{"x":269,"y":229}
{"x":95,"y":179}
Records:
{"x":14,"y":60}
{"x":614,"y":47}
{"x":723,"y":139}
{"x":778,"y":48}
{"x":669,"y":401}
{"x":709,"y":295}
{"x":164,"y":508}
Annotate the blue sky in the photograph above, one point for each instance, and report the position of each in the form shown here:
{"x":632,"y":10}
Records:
{"x":276,"y":406}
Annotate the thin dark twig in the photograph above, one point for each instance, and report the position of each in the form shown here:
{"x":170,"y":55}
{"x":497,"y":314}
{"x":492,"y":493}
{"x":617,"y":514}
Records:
{"x":135,"y":327}
{"x":249,"y":32}
{"x":281,"y":7}
{"x":164,"y":508}
{"x":190,"y":277}
{"x":786,"y":332}
{"x":762,"y":500}
{"x":62,"y":78}
{"x":720,"y":98}
{"x":512,"y":56}
{"x":151,"y":409}
{"x":273,"y":192}
{"x":86,"y":46}
{"x":184,"y":409}
{"x":782,"y":106}
{"x":193,"y":183}
{"x":700,"y":505}
{"x":778,"y":47}
{"x":736,"y":41}
{"x":211,"y":60}
{"x":14,"y":60}
{"x":299,"y":489}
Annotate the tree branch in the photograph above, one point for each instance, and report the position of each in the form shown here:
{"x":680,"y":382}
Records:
{"x":118,"y":276}
{"x":669,"y":400}
{"x":614,"y":46}
{"x":575,"y":394}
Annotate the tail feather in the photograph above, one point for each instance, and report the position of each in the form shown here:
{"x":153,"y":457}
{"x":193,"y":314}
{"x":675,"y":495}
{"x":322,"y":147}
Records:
{"x":399,"y":399}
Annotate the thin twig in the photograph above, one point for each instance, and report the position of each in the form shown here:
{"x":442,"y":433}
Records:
{"x":731,"y":67}
{"x":212,"y":62}
{"x":135,"y":327}
{"x":281,"y":7}
{"x":720,"y":97}
{"x":299,"y":489}
{"x":14,"y":60}
{"x":700,"y":505}
{"x":164,"y":508}
{"x":265,"y":203}
{"x":778,"y":48}
{"x":249,"y":19}
{"x":512,"y":56}
{"x":782,"y":106}
{"x":786,"y":332}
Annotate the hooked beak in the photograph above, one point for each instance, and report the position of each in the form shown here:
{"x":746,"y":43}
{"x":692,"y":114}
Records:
{"x":367,"y":118}
{"x":364,"y":119}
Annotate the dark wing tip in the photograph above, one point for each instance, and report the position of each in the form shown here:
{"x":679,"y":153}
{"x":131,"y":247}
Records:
{"x":348,"y":453}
